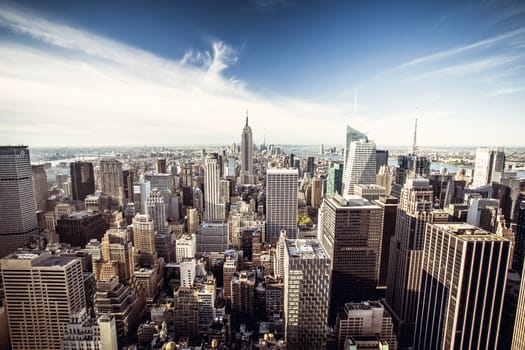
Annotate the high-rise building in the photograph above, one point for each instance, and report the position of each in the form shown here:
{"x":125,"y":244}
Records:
{"x":186,"y":246}
{"x":350,"y":232}
{"x":518,"y":337}
{"x":360,"y":165}
{"x":144,"y":239}
{"x":281,"y":203}
{"x":108,"y":332}
{"x":214,"y":209}
{"x":334,"y":182}
{"x":243,"y":293}
{"x":351,"y":136}
{"x":156,"y":209}
{"x":40,"y":186}
{"x":310,"y":165}
{"x":317,"y":192}
{"x":141,"y":192}
{"x":161,"y":166}
{"x":489,"y":162}
{"x":82,"y":180}
{"x":193,"y":220}
{"x":388,"y":206}
{"x":406,"y":251}
{"x":246,"y":154}
{"x":82,"y":332}
{"x":365,"y":318}
{"x":307,"y":285}
{"x":483,"y":213}
{"x":79,"y":228}
{"x":381,"y":159}
{"x":41,"y":293}
{"x":111,"y":181}
{"x":213,"y":237}
{"x":117,"y":256}
{"x":18,"y":219}
{"x":464,"y":271}
{"x":519,"y":248}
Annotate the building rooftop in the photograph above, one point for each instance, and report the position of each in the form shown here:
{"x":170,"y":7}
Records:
{"x":305,"y":249}
{"x":469,"y":232}
{"x":351,"y":202}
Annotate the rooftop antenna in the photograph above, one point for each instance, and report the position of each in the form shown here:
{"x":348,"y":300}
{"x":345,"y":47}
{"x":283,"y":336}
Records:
{"x":414,"y":143}
{"x":246,"y":116}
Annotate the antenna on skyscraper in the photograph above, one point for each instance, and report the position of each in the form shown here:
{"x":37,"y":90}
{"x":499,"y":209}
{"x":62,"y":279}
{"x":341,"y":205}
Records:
{"x":414,"y":143}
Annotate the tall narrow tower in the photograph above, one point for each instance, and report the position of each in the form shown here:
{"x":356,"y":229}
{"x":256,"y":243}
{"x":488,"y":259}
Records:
{"x":360,"y":163}
{"x":17,"y":204}
{"x":281,"y":203}
{"x":111,"y":181}
{"x":247,"y":154}
{"x":214,"y":209}
{"x":82,"y":180}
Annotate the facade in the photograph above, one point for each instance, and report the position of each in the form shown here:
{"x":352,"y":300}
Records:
{"x":518,"y":338}
{"x":82,"y":333}
{"x":351,"y":136}
{"x":381,"y":159}
{"x":108,"y":332}
{"x":111,"y":180}
{"x":488,"y":163}
{"x":462,"y":286}
{"x":483,"y":213}
{"x":214,"y":209}
{"x":156,"y":209}
{"x":144,"y":239}
{"x":246,"y":155}
{"x":519,"y":248}
{"x":388,"y":206}
{"x":82,"y":180}
{"x":141,"y":192}
{"x":281,"y":203}
{"x":360,"y":165}
{"x":79,"y":228}
{"x":243,"y":293}
{"x":365,"y":318}
{"x":406,"y":253}
{"x":213,"y":237}
{"x":350,"y":232}
{"x":370,"y":192}
{"x":186,"y":247}
{"x":334,"y":182}
{"x":317,"y":192}
{"x":18,"y":220}
{"x":41,"y":293}
{"x":40,"y":186}
{"x":307,"y":285}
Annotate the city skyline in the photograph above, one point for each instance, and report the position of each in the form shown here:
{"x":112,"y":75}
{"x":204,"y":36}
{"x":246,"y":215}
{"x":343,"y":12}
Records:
{"x":88,"y":74}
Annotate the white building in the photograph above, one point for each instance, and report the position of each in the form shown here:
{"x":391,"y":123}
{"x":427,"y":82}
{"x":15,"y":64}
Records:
{"x":214,"y":209}
{"x":281,"y":203}
{"x":489,"y":162}
{"x":360,"y":165}
{"x":186,"y":247}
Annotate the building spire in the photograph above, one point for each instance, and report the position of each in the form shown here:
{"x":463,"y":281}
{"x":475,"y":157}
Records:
{"x":414,"y":143}
{"x":246,"y":117}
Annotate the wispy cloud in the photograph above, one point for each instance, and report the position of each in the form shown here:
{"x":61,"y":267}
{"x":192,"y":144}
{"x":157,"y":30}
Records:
{"x":464,"y":49}
{"x":124,"y":95}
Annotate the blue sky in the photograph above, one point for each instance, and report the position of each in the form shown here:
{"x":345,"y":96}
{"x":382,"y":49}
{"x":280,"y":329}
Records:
{"x":184,"y":72}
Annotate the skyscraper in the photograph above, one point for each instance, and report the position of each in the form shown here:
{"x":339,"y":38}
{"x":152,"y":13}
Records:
{"x":281,"y":203}
{"x":41,"y":293}
{"x":334,"y":182}
{"x":406,"y":250}
{"x":214,"y":209}
{"x":40,"y":186}
{"x":489,"y":162}
{"x":518,"y":337}
{"x":82,"y":180}
{"x":519,"y":249}
{"x":360,"y":164}
{"x":17,"y":205}
{"x":246,"y":154}
{"x":350,"y":232}
{"x":307,"y":285}
{"x":111,"y":181}
{"x":351,"y":135}
{"x":317,"y":192}
{"x":156,"y":209}
{"x":144,"y":239}
{"x":464,"y":269}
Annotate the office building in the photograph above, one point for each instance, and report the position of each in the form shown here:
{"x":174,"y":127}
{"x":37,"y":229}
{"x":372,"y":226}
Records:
{"x":317,"y":192}
{"x":243,"y":293}
{"x":41,"y":293}
{"x":519,"y":248}
{"x":111,"y":181}
{"x":82,"y":180}
{"x":406,"y":251}
{"x":141,"y":192}
{"x":79,"y":228}
{"x":388,"y":207}
{"x":213,"y":237}
{"x":281,"y":203}
{"x":40,"y":186}
{"x":310,"y":165}
{"x":334,"y":182}
{"x":351,"y":136}
{"x":464,"y":271}
{"x":82,"y":332}
{"x":366,"y":318}
{"x":144,"y":239}
{"x":483,"y":213}
{"x":307,"y":285}
{"x":370,"y":192}
{"x":360,"y":165}
{"x":161,"y":166}
{"x":117,"y":256}
{"x":108,"y":332}
{"x":193,"y":220}
{"x":246,"y":155}
{"x":156,"y":209}
{"x":186,"y":246}
{"x":18,"y":220}
{"x":214,"y":209}
{"x":381,"y":159}
{"x":350,"y":232}
{"x":488,"y":167}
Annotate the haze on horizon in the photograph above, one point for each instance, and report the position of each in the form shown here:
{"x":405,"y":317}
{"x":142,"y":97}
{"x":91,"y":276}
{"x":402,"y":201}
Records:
{"x":91,"y":74}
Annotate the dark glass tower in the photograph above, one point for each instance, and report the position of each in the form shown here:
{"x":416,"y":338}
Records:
{"x":82,"y":180}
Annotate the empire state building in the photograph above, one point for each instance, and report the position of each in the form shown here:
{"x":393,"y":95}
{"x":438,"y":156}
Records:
{"x":246,"y":155}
